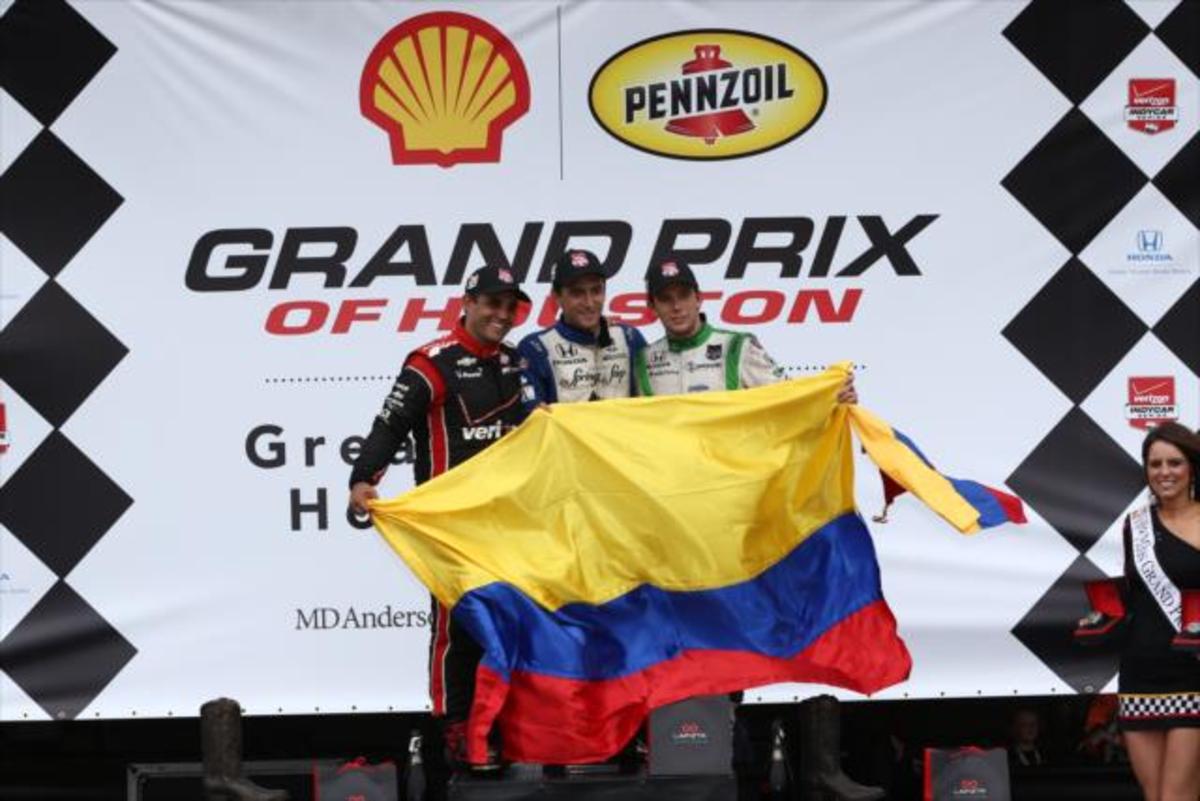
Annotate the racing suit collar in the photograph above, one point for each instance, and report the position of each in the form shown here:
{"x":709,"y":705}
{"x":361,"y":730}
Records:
{"x":473,"y":345}
{"x":581,"y":337}
{"x":695,"y":340}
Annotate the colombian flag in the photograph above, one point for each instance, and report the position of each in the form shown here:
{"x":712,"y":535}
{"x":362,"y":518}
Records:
{"x":617,"y":556}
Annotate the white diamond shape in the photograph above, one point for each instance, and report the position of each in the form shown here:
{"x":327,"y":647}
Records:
{"x":1156,"y":372}
{"x":24,"y":429}
{"x":1105,"y":106}
{"x":1148,"y":254}
{"x":1108,"y":552}
{"x":20,"y":279}
{"x":23,"y":581}
{"x":17,"y":129}
{"x":1153,"y":11}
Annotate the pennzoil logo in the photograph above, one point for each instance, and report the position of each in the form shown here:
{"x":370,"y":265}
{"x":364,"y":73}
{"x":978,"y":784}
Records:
{"x":707,"y":94}
{"x":444,"y":86}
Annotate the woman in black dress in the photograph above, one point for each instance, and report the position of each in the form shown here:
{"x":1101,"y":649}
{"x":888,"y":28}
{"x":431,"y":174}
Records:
{"x":1159,"y":691}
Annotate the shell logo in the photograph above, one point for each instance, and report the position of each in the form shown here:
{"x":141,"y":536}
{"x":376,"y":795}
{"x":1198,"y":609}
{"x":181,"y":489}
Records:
{"x":444,"y":86}
{"x":708,"y":94}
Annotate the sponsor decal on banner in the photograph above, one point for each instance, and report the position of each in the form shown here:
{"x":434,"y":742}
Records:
{"x":707,"y":94}
{"x":444,"y":86}
{"x":328,"y":618}
{"x":245,"y":259}
{"x":8,"y":585}
{"x":1151,"y":401}
{"x":1150,"y":247}
{"x":1151,"y":107}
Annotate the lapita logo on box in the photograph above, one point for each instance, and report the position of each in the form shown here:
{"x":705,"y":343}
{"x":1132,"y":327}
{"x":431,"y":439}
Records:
{"x":707,"y":94}
{"x":444,"y":86}
{"x":689,"y":732}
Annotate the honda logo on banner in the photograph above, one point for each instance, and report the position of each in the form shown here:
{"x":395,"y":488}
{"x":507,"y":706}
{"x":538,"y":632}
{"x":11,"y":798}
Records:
{"x":1149,"y":241}
{"x":1151,"y":246}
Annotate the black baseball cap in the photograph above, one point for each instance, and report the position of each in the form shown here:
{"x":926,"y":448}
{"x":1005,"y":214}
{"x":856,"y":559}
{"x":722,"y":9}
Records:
{"x":493,"y":281}
{"x":574,"y":264}
{"x":662,"y":275}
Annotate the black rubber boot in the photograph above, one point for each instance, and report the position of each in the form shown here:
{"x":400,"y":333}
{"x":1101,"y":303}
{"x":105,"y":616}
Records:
{"x":821,"y":776}
{"x":221,"y":745}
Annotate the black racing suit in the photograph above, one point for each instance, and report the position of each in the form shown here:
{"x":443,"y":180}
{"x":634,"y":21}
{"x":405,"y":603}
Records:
{"x":456,"y":396}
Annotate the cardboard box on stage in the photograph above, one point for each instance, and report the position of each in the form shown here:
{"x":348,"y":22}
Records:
{"x":692,"y":737}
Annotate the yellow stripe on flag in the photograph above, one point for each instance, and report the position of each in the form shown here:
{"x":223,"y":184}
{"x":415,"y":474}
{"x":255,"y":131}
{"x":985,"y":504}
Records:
{"x":585,"y":502}
{"x":898,"y":461}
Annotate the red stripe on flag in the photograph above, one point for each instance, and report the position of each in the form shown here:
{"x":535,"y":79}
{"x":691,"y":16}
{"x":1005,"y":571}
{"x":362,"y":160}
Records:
{"x":1014,"y":510}
{"x":558,"y":721}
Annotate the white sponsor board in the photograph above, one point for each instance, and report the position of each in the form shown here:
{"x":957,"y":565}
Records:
{"x":271,"y":264}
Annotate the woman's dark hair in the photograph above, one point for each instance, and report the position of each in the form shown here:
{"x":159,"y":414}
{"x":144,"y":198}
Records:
{"x":1181,"y":437}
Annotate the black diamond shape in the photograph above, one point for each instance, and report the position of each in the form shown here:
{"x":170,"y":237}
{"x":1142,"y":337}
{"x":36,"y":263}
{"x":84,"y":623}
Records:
{"x":53,"y":353}
{"x":63,"y":653}
{"x":1075,"y":330}
{"x":31,"y":506}
{"x":1179,"y":328}
{"x":50,"y":54}
{"x":1075,"y":180}
{"x":51,"y":202}
{"x":1179,"y":181}
{"x":1078,"y":479}
{"x":1076,"y":43}
{"x":1180,"y":32}
{"x":1046,"y":631}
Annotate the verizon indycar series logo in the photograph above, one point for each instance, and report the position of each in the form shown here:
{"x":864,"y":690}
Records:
{"x":707,"y":94}
{"x":444,"y":86}
{"x":1151,"y":107}
{"x":1151,"y":401}
{"x":350,"y":282}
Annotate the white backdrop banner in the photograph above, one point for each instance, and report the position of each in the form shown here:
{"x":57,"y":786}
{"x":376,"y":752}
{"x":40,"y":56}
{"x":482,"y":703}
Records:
{"x":225,"y":224}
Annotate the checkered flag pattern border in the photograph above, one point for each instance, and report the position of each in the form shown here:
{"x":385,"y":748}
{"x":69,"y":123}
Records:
{"x":1157,"y":706}
{"x":1076,"y":181}
{"x":53,"y":354}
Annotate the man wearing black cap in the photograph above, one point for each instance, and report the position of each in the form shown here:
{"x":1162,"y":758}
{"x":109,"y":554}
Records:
{"x":695,"y":356}
{"x":582,"y":357}
{"x":456,"y":396}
